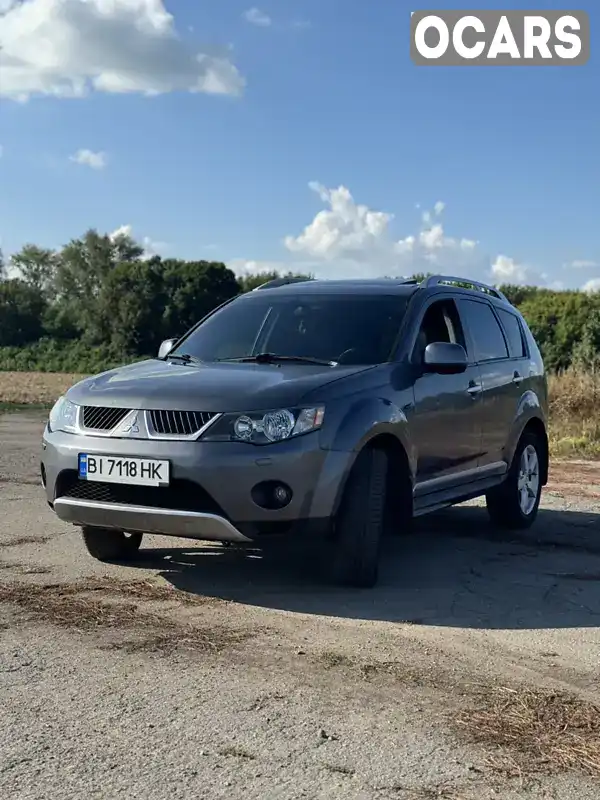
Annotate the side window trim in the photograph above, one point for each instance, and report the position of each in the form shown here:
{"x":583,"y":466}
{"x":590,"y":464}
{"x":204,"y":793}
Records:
{"x":467,"y":331}
{"x":524,"y":339}
{"x":467,"y":328}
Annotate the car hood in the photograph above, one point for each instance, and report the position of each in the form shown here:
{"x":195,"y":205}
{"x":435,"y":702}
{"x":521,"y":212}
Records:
{"x":213,"y":387}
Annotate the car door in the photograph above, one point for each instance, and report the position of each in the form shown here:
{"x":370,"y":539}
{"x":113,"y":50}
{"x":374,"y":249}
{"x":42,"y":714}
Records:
{"x":446,"y":425}
{"x":500,"y":377}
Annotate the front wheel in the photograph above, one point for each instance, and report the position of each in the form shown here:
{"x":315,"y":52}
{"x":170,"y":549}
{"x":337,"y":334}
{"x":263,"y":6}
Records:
{"x":359,"y":523}
{"x":106,"y":544}
{"x":514,"y":504}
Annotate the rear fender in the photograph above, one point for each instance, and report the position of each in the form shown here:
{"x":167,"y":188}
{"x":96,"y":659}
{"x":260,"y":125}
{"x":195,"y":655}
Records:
{"x":529,"y":410}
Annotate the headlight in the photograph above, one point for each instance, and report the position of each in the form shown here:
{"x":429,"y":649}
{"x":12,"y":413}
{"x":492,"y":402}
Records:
{"x":265,"y":427}
{"x":63,"y":416}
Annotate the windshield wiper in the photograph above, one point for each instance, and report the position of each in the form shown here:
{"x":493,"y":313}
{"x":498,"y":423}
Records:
{"x":271,"y":358}
{"x":185,"y":357}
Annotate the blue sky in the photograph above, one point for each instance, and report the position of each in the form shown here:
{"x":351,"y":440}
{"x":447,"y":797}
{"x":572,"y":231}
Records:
{"x":325,"y":96}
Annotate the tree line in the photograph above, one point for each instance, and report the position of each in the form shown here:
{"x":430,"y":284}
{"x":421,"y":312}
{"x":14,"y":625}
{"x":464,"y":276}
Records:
{"x":99,"y":301}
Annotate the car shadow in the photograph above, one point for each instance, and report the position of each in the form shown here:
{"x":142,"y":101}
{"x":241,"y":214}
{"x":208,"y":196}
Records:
{"x":454,"y":570}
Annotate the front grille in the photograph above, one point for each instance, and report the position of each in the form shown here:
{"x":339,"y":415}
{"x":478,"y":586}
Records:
{"x":181,"y":495}
{"x":98,"y":418}
{"x":179,"y":423}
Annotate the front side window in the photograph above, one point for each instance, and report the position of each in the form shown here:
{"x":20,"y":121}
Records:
{"x":486,"y":334}
{"x":348,"y":329}
{"x":440,"y":323}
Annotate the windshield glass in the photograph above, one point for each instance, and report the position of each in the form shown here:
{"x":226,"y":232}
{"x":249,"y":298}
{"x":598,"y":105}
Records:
{"x":347,"y":329}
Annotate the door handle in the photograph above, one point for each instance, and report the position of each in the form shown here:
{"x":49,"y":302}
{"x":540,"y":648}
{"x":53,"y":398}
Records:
{"x":474,"y":389}
{"x":517,"y":379}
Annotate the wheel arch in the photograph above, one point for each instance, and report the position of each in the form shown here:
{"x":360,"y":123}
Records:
{"x":399,"y":472}
{"x":536,"y":426}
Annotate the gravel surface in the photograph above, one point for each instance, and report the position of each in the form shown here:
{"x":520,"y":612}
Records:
{"x":208,"y":672}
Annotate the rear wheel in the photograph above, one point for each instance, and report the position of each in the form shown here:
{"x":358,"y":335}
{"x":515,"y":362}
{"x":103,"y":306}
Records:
{"x":360,"y":522}
{"x":106,"y":544}
{"x":515,"y":503}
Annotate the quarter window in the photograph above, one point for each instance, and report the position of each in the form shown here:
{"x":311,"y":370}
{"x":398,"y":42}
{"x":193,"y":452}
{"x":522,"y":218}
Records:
{"x":486,"y":334}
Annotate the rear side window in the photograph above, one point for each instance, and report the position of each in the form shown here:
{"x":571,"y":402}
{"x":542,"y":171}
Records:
{"x":486,"y":334}
{"x":514,"y":334}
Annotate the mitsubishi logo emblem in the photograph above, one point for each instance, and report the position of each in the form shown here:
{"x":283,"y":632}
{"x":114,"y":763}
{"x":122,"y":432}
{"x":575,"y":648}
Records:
{"x":132,"y":427}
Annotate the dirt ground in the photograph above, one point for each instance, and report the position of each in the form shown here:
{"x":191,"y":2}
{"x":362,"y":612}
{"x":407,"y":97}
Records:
{"x":471,"y":672}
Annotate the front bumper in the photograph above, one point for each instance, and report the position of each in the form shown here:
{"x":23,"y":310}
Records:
{"x":218,"y":478}
{"x":144,"y":519}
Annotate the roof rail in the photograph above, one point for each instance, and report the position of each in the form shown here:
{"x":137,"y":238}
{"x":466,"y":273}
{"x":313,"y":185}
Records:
{"x":281,"y":282}
{"x":436,"y":280}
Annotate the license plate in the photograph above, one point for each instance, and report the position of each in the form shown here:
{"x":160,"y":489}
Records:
{"x":114,"y":469}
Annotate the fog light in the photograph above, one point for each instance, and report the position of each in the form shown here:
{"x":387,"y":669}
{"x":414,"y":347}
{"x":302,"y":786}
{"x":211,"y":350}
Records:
{"x":281,"y":495}
{"x":272,"y":495}
{"x":43,"y":474}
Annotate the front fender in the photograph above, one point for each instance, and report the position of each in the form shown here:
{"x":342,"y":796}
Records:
{"x":362,"y":422}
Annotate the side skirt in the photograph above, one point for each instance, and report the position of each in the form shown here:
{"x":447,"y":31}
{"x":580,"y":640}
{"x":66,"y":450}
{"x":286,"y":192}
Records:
{"x":440,"y":493}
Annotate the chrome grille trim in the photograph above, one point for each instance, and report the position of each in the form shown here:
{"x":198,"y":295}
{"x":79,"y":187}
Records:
{"x":102,"y":418}
{"x":179,"y":423}
{"x":167,"y":425}
{"x":179,"y":426}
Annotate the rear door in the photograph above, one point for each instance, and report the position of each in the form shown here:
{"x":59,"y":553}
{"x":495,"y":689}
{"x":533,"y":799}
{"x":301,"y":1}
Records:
{"x":500,"y":375}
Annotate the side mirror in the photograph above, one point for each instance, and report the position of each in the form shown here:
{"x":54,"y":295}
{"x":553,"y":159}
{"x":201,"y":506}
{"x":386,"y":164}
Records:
{"x":166,"y":347}
{"x":445,"y":358}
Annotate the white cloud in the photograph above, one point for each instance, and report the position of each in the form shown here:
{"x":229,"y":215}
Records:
{"x":592,"y":285}
{"x":257,"y":17}
{"x":89,"y":158}
{"x":242,"y":266}
{"x":67,"y":48}
{"x":345,"y":230}
{"x":151,"y":247}
{"x":349,"y":239}
{"x":507,"y":270}
{"x":582,"y":264}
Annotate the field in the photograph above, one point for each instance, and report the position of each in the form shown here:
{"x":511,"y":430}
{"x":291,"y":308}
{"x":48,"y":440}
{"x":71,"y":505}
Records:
{"x":34,"y":388}
{"x":574,"y":418}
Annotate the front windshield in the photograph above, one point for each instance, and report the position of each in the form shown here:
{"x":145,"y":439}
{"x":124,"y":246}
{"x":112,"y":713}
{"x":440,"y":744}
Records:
{"x":346,"y":329}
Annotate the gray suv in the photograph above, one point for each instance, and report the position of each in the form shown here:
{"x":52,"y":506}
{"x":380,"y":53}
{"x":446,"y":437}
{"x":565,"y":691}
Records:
{"x":335,"y":409}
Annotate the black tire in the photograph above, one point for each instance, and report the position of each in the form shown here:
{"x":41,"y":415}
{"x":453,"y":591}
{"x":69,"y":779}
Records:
{"x":106,"y":544}
{"x":503,"y":505}
{"x":360,"y":521}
